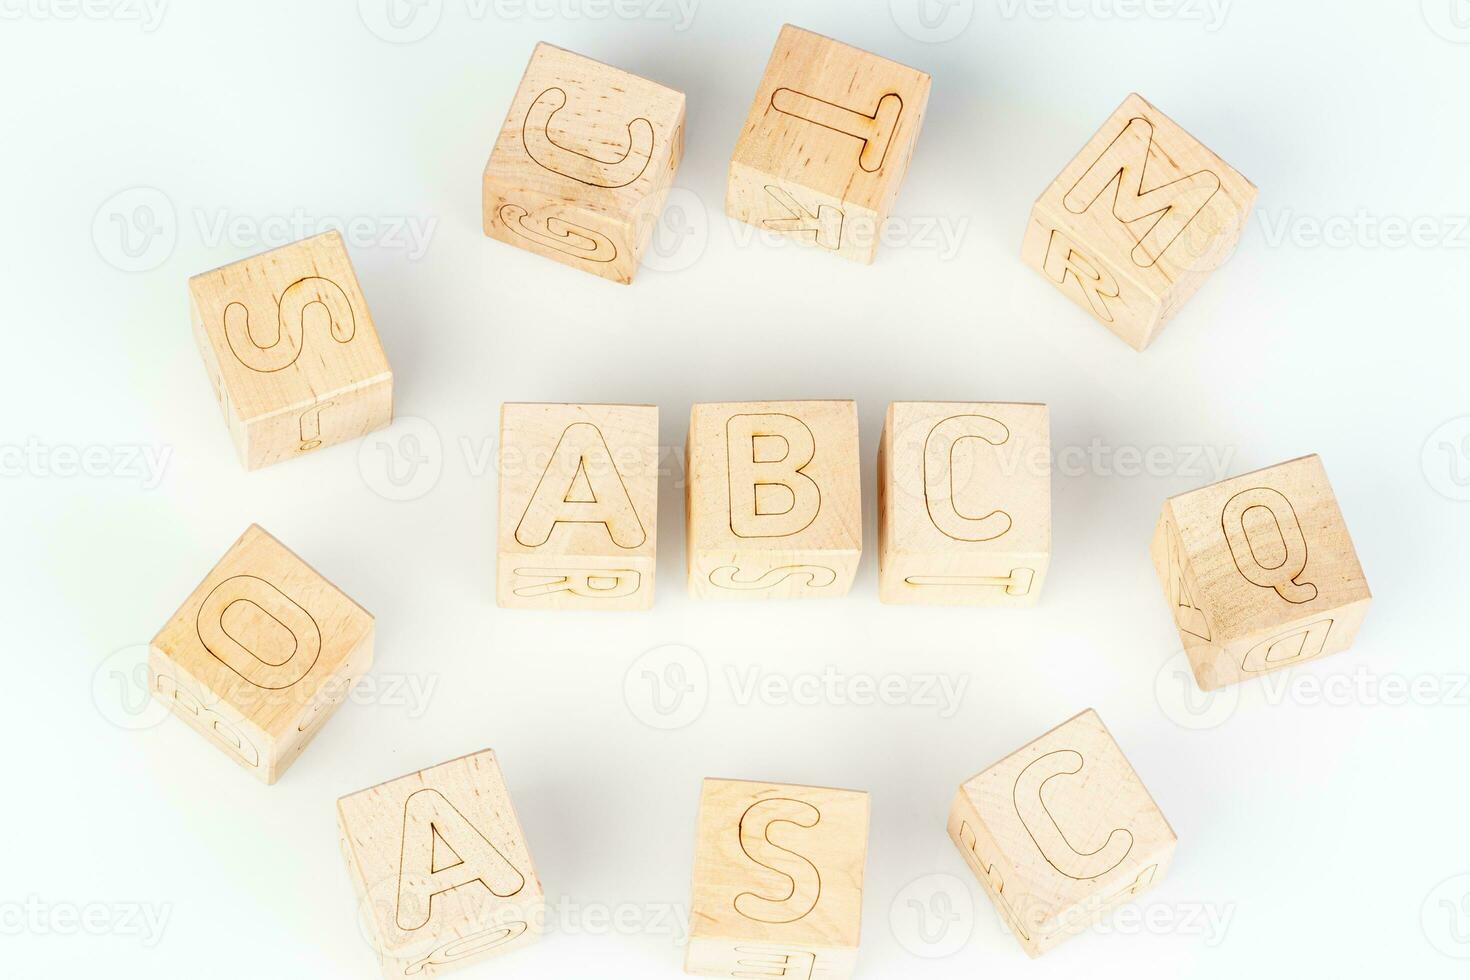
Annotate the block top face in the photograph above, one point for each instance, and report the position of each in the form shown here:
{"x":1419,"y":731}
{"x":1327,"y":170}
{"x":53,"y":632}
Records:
{"x":578,"y":479}
{"x":289,"y":326}
{"x":834,"y":119}
{"x":777,"y":863}
{"x":969,"y":476}
{"x":1070,"y":816}
{"x":263,"y":632}
{"x":1151,"y":200}
{"x":440,"y":851}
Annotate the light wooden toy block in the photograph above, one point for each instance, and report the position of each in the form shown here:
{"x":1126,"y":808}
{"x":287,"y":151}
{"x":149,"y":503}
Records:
{"x":773,"y":499}
{"x":583,"y":164}
{"x":1061,"y":832}
{"x":578,"y":506}
{"x":291,"y":350}
{"x":827,"y":143}
{"x":778,"y":881}
{"x":1260,"y":572}
{"x":441,"y":868}
{"x":1137,"y":222}
{"x":964,"y":503}
{"x":261,"y":654}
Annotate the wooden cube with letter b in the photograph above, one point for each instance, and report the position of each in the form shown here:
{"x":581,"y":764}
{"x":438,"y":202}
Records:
{"x":964,"y":503}
{"x":1137,"y":221}
{"x":440,"y":867}
{"x":578,"y":506}
{"x":1260,"y":572}
{"x":582,"y":167}
{"x":1061,"y":832}
{"x":827,"y":143}
{"x":778,"y":881}
{"x":773,"y":499}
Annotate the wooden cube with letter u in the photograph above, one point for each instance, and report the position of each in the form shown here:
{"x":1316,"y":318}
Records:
{"x":778,"y":881}
{"x":1137,"y":221}
{"x":773,"y":499}
{"x":1260,"y":572}
{"x":578,"y":506}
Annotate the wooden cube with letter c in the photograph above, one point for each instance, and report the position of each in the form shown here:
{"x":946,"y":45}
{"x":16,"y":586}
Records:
{"x":1061,"y":832}
{"x":578,"y":506}
{"x":1260,"y":572}
{"x":778,"y":881}
{"x":1137,"y":221}
{"x":440,"y":867}
{"x":261,"y":654}
{"x":582,"y":167}
{"x":773,"y":499}
{"x":964,"y":503}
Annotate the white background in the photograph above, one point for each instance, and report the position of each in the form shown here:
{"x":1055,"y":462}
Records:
{"x":1321,"y":816}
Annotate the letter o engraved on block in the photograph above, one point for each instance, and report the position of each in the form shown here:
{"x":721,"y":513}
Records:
{"x":939,"y":488}
{"x":1047,"y":834}
{"x":442,"y":851}
{"x":581,"y":485}
{"x":727,"y":577}
{"x":290,"y":339}
{"x":875,"y":131}
{"x":803,"y":881}
{"x":273,"y":670}
{"x":559,"y":234}
{"x":1298,"y":646}
{"x":228,"y":735}
{"x":1064,"y":259}
{"x":1278,"y":529}
{"x":467,"y":946}
{"x":584,"y":583}
{"x":770,"y":495}
{"x":620,"y":171}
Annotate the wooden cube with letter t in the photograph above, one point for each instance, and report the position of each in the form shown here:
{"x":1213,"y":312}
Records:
{"x":778,"y":881}
{"x":1260,"y":572}
{"x":1137,"y":221}
{"x":773,"y":499}
{"x":578,"y":506}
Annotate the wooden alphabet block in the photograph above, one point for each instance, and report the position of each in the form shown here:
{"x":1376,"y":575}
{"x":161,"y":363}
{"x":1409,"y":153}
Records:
{"x":773,"y":499}
{"x":261,"y":654}
{"x":964,"y":503}
{"x":1061,"y":832}
{"x":1137,"y":222}
{"x":291,"y":350}
{"x":441,"y":868}
{"x":1260,"y":572}
{"x":584,"y":163}
{"x":578,"y":506}
{"x":778,"y":881}
{"x":827,"y":143}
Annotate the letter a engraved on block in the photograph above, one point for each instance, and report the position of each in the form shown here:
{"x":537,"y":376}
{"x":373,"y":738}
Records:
{"x":939,"y":488}
{"x":253,"y":606}
{"x":770,"y":495}
{"x":581,"y":485}
{"x":1047,"y":834}
{"x":801,"y":883}
{"x":440,"y":852}
{"x":1267,"y":543}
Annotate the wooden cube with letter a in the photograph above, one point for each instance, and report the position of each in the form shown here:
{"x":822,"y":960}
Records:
{"x":964,"y":503}
{"x":441,"y":868}
{"x":261,"y":654}
{"x":291,"y":350}
{"x":827,"y":143}
{"x":773,"y":499}
{"x":778,"y":881}
{"x":578,"y":506}
{"x":1061,"y":832}
{"x":1260,"y":572}
{"x":1137,"y":221}
{"x":583,"y":164}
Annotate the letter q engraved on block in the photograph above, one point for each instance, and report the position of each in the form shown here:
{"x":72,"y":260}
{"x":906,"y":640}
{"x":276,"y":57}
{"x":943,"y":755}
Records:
{"x":442,"y":851}
{"x":1047,"y":834}
{"x":1257,"y":522}
{"x":939,"y":488}
{"x":273,"y":670}
{"x":802,"y":882}
{"x":771,"y":496}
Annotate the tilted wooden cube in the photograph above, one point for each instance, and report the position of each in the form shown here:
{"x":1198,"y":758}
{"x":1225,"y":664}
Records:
{"x":441,"y":868}
{"x":827,"y":143}
{"x":778,"y":881}
{"x":1061,"y":832}
{"x":1137,"y":221}
{"x":773,"y":499}
{"x":583,"y":164}
{"x":291,"y":350}
{"x":1260,"y":572}
{"x":964,"y":503}
{"x":261,"y":654}
{"x":578,"y":506}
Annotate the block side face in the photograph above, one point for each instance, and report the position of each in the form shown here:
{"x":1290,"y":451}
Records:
{"x":1181,"y":590}
{"x":1288,"y":644}
{"x":727,"y":958}
{"x":992,"y":868}
{"x":807,"y":216}
{"x":562,"y":229}
{"x":751,"y":575}
{"x":205,"y":712}
{"x":347,"y":414}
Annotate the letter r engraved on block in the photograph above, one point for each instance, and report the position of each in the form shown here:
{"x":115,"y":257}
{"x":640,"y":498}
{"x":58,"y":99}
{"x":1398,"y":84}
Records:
{"x":1267,"y":543}
{"x":584,"y":583}
{"x":1065,"y":260}
{"x":771,"y":496}
{"x":270,"y":669}
{"x":801,"y":882}
{"x":1047,"y":834}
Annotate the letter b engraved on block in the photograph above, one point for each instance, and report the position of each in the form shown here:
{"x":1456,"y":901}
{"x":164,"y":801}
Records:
{"x":770,"y":495}
{"x":1267,"y":542}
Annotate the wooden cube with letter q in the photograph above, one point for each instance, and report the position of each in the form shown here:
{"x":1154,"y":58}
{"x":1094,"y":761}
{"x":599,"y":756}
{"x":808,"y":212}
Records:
{"x":578,"y":506}
{"x":1137,"y":221}
{"x":773,"y":499}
